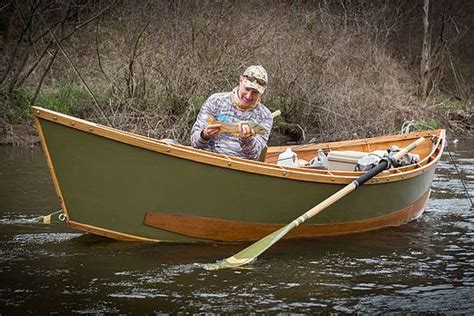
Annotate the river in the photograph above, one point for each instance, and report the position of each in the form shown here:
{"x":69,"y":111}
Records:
{"x":424,"y":266}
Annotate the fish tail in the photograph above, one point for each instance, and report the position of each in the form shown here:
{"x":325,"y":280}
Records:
{"x":211,"y":120}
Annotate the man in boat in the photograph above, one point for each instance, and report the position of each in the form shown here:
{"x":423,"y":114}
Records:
{"x":240,"y":108}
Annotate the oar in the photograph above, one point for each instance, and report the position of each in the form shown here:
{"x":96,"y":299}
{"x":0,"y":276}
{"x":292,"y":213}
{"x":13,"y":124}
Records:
{"x":276,"y":113}
{"x":253,"y":251}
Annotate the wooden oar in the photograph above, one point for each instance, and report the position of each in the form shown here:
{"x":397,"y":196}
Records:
{"x":276,"y":113}
{"x":253,"y":251}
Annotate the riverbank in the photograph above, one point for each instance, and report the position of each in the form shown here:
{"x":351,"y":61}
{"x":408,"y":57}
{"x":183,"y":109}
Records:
{"x":19,"y":135}
{"x":336,"y":71}
{"x":459,"y":124}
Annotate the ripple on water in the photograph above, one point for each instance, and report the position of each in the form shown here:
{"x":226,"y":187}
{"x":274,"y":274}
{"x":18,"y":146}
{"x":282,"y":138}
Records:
{"x":141,"y":294}
{"x":98,"y":308}
{"x":45,"y":238}
{"x":166,"y":274}
{"x":303,"y":306}
{"x":135,"y":284}
{"x":365,"y":286}
{"x":427,"y":288}
{"x":210,"y":295}
{"x":18,"y":218}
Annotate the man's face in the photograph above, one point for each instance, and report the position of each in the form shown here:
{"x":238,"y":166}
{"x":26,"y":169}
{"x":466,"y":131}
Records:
{"x":248,"y":96}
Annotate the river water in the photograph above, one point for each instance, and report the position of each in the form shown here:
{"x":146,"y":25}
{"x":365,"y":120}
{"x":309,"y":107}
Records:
{"x":424,"y":266}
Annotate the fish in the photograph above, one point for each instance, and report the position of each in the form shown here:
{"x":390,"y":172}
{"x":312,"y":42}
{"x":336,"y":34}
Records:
{"x":233,"y":128}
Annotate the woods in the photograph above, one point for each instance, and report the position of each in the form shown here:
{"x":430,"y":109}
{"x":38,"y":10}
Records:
{"x":337,"y":69}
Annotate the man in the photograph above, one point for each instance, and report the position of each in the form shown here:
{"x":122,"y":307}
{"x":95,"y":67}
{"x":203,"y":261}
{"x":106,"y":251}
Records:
{"x":241,"y":104}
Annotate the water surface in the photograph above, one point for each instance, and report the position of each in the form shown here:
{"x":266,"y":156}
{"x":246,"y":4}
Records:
{"x":424,"y":266}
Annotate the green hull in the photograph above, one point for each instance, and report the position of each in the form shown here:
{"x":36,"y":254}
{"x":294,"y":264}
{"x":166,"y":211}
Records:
{"x":110,"y":185}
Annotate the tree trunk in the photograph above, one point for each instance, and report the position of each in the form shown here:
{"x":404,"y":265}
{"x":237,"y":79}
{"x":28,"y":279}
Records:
{"x":425,"y":67}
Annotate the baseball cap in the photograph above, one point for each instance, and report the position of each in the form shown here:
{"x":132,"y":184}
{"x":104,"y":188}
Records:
{"x":255,"y":78}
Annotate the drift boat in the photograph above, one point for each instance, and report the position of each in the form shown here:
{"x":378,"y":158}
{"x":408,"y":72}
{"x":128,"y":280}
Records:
{"x":130,"y":187}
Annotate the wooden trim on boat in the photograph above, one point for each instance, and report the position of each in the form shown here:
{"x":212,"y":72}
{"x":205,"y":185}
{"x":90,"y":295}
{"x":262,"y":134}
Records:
{"x":108,"y":233}
{"x":225,"y":230}
{"x":44,"y":145}
{"x":228,"y":230}
{"x":235,"y":163}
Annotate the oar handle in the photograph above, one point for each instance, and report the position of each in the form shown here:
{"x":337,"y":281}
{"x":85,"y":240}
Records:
{"x":409,"y":148}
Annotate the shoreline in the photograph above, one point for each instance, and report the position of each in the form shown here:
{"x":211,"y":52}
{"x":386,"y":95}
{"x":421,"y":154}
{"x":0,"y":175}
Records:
{"x":19,"y":135}
{"x":25,"y":135}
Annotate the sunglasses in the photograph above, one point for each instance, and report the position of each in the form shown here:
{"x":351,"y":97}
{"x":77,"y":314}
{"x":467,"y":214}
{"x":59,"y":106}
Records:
{"x":261,"y":82}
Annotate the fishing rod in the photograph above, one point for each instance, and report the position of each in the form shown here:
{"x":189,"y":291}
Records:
{"x":406,"y":128}
{"x":459,"y":176}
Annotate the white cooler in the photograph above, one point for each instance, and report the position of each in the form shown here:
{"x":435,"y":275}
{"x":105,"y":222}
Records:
{"x":344,"y":160}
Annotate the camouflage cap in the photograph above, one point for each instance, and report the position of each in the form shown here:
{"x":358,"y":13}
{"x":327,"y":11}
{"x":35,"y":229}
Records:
{"x":255,"y":78}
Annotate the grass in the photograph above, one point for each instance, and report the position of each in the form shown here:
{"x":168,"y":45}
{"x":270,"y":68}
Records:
{"x":65,"y":97}
{"x":15,"y":105}
{"x":61,"y":96}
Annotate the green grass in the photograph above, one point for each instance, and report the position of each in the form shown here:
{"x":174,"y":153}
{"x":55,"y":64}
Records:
{"x":15,"y":105}
{"x":451,"y":104}
{"x":65,"y":97}
{"x":431,"y":123}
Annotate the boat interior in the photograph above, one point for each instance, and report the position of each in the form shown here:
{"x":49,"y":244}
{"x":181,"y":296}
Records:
{"x":344,"y":156}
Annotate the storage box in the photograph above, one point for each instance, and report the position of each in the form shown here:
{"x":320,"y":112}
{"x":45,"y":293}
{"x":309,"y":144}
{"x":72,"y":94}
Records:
{"x":344,"y":160}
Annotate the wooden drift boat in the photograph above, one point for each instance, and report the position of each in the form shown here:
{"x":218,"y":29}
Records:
{"x":130,"y":187}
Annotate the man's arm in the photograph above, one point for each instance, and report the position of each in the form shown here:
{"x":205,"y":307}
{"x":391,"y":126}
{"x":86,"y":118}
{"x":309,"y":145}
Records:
{"x":197,"y":141}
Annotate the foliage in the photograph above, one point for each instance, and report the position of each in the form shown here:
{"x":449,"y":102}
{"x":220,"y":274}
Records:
{"x":65,"y":97}
{"x":338,"y":69}
{"x":14,"y":105}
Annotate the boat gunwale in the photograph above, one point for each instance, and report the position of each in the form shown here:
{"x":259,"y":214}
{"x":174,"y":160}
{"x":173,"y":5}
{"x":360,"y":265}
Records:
{"x":235,"y":163}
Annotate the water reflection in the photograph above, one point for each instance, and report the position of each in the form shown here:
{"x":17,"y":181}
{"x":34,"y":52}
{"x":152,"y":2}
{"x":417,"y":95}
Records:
{"x":424,"y":266}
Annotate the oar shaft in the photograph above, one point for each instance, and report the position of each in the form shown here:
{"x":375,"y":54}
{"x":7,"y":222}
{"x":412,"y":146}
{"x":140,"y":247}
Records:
{"x":329,"y":201}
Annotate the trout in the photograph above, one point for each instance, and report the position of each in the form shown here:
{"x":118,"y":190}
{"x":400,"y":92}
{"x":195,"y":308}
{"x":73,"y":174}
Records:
{"x":233,"y":128}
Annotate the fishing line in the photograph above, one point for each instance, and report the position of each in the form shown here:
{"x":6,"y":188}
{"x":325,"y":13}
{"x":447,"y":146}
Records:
{"x":406,"y":128}
{"x":459,"y":176}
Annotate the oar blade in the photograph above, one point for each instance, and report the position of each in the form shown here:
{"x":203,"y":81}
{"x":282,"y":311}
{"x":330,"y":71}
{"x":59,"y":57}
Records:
{"x":250,"y":253}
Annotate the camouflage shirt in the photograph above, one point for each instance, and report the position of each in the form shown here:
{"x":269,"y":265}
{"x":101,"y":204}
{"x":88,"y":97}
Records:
{"x":221,"y":105}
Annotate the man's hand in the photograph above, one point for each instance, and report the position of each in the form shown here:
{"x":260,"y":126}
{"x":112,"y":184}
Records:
{"x":210,"y":131}
{"x":245,"y":131}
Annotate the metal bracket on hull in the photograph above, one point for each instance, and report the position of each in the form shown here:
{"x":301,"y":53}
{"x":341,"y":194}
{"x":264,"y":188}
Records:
{"x":53,"y":218}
